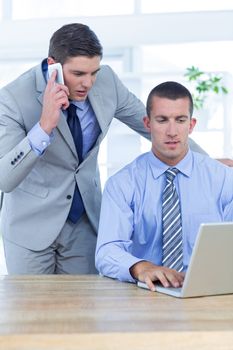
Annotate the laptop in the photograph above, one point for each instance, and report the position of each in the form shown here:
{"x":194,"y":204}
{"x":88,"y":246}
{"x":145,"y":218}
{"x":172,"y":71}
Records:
{"x":210,"y":271}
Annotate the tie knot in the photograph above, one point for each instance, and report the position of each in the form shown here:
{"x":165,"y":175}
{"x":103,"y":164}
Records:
{"x":171,"y":174}
{"x":71,"y":110}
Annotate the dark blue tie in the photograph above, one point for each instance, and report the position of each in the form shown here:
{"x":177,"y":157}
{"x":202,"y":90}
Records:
{"x":77,"y":207}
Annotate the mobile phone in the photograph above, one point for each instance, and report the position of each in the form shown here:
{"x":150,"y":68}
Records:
{"x":58,"y":68}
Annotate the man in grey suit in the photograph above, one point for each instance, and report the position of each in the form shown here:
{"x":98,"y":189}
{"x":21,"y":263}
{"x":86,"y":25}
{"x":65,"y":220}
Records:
{"x":51,"y":186}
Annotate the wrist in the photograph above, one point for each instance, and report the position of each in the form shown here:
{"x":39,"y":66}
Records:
{"x":46,"y":127}
{"x":136,"y":269}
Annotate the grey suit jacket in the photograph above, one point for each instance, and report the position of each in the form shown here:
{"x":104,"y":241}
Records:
{"x":35,"y":205}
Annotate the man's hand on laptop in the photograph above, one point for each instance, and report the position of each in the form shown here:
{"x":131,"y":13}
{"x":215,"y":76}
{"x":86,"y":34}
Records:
{"x":147,"y":272}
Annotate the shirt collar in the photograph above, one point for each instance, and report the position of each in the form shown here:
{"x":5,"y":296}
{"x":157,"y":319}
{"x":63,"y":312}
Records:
{"x":82,"y":105}
{"x":158,"y":167}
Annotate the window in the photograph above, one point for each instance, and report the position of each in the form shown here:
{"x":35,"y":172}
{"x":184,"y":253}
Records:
{"x":10,"y":70}
{"x":26,"y":9}
{"x":148,"y":6}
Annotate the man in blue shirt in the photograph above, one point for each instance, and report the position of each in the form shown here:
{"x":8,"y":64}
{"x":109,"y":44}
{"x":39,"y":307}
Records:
{"x":131,"y":231}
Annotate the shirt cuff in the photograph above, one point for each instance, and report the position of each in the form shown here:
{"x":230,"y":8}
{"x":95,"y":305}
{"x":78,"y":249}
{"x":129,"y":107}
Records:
{"x":126,"y":263}
{"x":39,"y":140}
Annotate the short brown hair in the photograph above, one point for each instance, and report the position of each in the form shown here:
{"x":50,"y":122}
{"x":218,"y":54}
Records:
{"x":73,"y":40}
{"x":171,"y":90}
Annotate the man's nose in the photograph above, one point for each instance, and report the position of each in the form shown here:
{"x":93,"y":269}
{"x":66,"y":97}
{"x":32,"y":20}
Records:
{"x":88,"y":81}
{"x":171,"y":129}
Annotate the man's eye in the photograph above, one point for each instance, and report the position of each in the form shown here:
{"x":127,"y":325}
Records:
{"x":181,"y":120}
{"x":161,"y":120}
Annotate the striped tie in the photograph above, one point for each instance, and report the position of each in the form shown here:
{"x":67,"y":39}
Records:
{"x":172,"y":225}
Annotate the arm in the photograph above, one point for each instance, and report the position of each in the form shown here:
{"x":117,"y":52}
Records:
{"x":226,"y":161}
{"x":195,"y":147}
{"x":16,"y":155}
{"x":114,"y":242}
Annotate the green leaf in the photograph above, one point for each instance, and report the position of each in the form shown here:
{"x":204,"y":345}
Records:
{"x":224,"y":90}
{"x":198,"y":101}
{"x":215,"y":79}
{"x":202,"y":86}
{"x":193,"y":73}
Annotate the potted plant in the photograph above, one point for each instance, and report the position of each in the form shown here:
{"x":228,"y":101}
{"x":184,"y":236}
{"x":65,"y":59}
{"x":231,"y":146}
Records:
{"x":205,"y":88}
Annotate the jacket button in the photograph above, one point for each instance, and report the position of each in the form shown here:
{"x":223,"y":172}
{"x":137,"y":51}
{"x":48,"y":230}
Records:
{"x":12,"y":162}
{"x":21,"y":153}
{"x":68,"y":196}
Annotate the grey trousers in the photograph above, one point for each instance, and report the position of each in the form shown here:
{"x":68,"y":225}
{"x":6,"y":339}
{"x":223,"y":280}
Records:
{"x":73,"y":252}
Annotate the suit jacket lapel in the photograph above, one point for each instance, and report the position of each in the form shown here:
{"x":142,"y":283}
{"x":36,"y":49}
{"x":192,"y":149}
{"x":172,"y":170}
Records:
{"x":64,"y":130}
{"x":98,"y":107}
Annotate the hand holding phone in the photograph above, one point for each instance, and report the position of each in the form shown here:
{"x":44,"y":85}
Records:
{"x":55,"y":98}
{"x":58,"y":68}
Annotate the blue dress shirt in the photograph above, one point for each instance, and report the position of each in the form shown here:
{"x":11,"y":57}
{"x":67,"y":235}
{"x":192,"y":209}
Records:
{"x":130,"y":227}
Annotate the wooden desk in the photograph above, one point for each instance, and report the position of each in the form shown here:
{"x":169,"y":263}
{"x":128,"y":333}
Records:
{"x":93,"y":312}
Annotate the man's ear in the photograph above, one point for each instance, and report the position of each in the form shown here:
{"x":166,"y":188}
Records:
{"x":193,"y":122}
{"x":146,"y":121}
{"x":50,"y":60}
